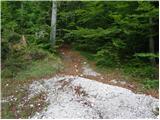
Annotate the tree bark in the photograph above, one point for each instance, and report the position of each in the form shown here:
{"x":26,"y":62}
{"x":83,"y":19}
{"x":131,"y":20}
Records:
{"x":151,"y":43}
{"x":53,"y":23}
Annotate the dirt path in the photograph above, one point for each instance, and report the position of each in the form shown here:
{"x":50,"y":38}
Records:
{"x":75,"y":64}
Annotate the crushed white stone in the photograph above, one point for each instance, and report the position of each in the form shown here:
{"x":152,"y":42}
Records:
{"x":102,"y":78}
{"x":87,"y":70}
{"x":31,"y":105}
{"x":84,"y":62}
{"x":7,"y":99}
{"x":122,"y":82}
{"x":100,"y":101}
{"x":4,"y":101}
{"x":114,"y":81}
{"x":81,"y":75}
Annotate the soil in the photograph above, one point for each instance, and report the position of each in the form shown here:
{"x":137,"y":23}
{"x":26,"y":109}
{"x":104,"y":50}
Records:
{"x":74,"y":63}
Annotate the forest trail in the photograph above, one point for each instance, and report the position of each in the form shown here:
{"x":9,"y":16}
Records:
{"x":79,"y":92}
{"x":76,"y":64}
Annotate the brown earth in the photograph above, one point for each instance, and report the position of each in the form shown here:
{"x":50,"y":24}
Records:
{"x":73,"y":63}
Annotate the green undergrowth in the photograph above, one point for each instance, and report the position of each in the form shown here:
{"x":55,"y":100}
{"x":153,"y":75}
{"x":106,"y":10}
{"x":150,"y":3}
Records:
{"x":18,"y":73}
{"x":42,"y":64}
{"x":145,"y":75}
{"x":40,"y":68}
{"x":88,"y":55}
{"x":135,"y":70}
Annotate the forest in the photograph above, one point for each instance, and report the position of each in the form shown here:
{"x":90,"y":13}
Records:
{"x":120,"y":40}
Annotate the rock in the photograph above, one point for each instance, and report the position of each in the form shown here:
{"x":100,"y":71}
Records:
{"x":37,"y":113}
{"x":114,"y":81}
{"x":156,"y":110}
{"x":75,"y":66}
{"x":31,"y":105}
{"x":122,"y":82}
{"x":102,"y":78}
{"x":15,"y":99}
{"x":81,"y":75}
{"x":131,"y":86}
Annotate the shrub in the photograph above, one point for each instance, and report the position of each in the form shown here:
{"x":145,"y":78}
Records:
{"x":6,"y":73}
{"x":89,"y":56}
{"x":37,"y":54}
{"x":4,"y":49}
{"x":13,"y":65}
{"x":13,"y":38}
{"x":106,"y":58}
{"x":146,"y":71}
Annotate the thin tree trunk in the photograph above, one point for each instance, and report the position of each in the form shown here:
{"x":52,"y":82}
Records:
{"x":151,"y":43}
{"x":53,"y":23}
{"x":23,"y":41}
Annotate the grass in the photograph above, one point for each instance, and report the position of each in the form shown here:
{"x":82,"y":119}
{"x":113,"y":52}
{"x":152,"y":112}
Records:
{"x":40,"y":69}
{"x":146,"y":75}
{"x":17,"y":86}
{"x":35,"y":70}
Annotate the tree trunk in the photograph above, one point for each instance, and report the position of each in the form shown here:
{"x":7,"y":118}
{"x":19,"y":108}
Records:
{"x":151,"y":43}
{"x":53,"y":24}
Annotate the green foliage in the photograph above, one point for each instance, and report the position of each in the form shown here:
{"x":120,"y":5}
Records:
{"x":36,"y":53}
{"x":146,"y":55}
{"x":7,"y":113}
{"x":122,"y":25}
{"x":22,"y":60}
{"x":146,"y":71}
{"x":14,"y":64}
{"x":151,"y":84}
{"x":106,"y":58}
{"x":13,"y":38}
{"x":35,"y":63}
{"x":40,"y":68}
{"x":119,"y":44}
{"x":89,"y":56}
{"x":4,"y":50}
{"x":85,"y":39}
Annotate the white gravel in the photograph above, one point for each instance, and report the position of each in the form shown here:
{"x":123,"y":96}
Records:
{"x":77,"y":97}
{"x":118,"y":81}
{"x":87,"y":70}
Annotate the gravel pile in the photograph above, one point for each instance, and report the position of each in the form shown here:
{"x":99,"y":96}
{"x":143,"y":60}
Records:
{"x":77,"y":97}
